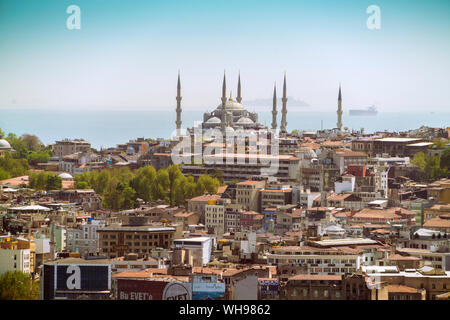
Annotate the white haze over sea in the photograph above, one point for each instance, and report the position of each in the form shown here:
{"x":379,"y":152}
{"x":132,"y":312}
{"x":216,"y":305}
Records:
{"x":107,"y":128}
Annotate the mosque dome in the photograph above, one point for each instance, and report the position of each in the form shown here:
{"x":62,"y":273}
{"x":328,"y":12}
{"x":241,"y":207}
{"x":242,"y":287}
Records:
{"x":245,"y":120}
{"x":213,"y":120}
{"x":65,"y":176}
{"x":231,"y":105}
{"x":4,"y":144}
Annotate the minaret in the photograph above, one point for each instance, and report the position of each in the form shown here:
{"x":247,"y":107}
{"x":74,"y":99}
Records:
{"x":284,"y":110}
{"x":339,"y":110}
{"x":224,"y":101}
{"x":178,"y":122}
{"x":52,"y":242}
{"x":274,"y":109}
{"x":239,"y":97}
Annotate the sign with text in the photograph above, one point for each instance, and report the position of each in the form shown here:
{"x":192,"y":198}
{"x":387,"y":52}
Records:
{"x":83,"y":277}
{"x":128,"y":289}
{"x":208,"y":290}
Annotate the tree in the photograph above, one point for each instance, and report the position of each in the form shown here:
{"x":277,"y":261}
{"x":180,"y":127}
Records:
{"x":45,"y":181}
{"x":129,"y":196}
{"x":82,"y":185}
{"x":207,"y":184}
{"x":32,"y":142}
{"x":35,"y":157}
{"x":10,"y":167}
{"x":142,"y":183}
{"x":445,"y":159}
{"x":17,"y":144}
{"x":162,"y":184}
{"x":18,"y":286}
{"x":420,"y":161}
{"x":175,"y":175}
{"x":54,"y":182}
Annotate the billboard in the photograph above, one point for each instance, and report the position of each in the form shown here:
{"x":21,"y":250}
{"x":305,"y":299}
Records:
{"x":128,"y":289}
{"x":207,"y":290}
{"x":76,"y":278}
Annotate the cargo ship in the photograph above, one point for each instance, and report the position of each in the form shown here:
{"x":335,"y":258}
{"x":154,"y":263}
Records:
{"x":370,"y":111}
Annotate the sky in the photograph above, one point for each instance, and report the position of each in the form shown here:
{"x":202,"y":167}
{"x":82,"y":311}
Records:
{"x":127,"y":53}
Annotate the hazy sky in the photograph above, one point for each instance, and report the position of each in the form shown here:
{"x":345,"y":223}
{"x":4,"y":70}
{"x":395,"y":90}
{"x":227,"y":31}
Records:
{"x":127,"y":53}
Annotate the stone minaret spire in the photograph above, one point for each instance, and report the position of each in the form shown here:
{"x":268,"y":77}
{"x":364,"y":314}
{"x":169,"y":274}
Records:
{"x":274,"y":109}
{"x":239,"y":97}
{"x":224,"y":101}
{"x":284,"y":110}
{"x":178,"y":122}
{"x":339,"y":110}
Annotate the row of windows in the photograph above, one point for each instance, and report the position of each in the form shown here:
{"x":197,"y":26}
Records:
{"x":136,"y":236}
{"x":305,"y":292}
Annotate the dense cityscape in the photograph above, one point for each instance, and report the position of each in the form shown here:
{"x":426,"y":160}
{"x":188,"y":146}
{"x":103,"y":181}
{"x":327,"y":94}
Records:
{"x":228,"y":209}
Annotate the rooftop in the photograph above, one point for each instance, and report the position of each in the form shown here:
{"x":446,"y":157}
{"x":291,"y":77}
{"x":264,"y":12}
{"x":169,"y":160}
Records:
{"x":316,"y":277}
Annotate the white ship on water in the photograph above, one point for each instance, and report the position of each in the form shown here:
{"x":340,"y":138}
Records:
{"x":370,"y":111}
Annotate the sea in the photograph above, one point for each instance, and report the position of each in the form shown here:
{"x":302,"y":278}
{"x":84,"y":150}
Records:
{"x":105,"y":128}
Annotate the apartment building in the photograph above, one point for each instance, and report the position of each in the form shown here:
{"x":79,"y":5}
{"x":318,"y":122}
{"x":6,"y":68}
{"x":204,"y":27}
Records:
{"x":232,"y":221}
{"x":321,"y":261}
{"x":66,"y":147}
{"x":244,"y":166}
{"x":275,"y":196}
{"x":215,"y":216}
{"x":329,"y":257}
{"x":117,"y":241}
{"x":343,"y":158}
{"x":434,"y":282}
{"x":85,"y":238}
{"x":198,"y":204}
{"x":15,"y":260}
{"x":247,"y":194}
{"x":435,"y":211}
{"x":251,"y":221}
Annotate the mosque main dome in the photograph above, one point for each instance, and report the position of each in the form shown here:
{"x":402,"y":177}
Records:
{"x":4,"y":145}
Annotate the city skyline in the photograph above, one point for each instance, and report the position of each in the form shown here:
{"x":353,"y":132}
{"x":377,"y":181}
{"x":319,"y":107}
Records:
{"x":128,"y":57}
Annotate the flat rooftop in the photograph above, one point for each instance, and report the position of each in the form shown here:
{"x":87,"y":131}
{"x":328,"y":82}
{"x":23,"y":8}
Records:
{"x":395,"y":139}
{"x":345,"y":242}
{"x":196,"y":239}
{"x":137,"y":229}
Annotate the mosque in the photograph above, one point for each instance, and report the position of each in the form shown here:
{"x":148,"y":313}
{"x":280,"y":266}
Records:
{"x":230,"y":113}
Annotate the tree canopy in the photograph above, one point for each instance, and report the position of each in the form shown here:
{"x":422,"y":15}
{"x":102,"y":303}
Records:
{"x":434,"y":167}
{"x":120,"y":188}
{"x":45,"y":181}
{"x":18,"y":286}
